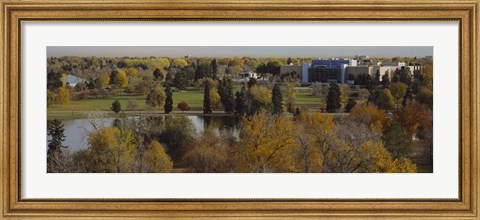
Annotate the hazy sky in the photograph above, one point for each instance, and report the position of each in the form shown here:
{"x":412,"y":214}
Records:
{"x":231,"y":51}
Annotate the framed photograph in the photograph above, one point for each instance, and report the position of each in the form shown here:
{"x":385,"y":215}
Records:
{"x":228,"y":109}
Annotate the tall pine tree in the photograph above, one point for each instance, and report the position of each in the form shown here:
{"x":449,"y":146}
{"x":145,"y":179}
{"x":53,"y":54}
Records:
{"x":240,"y":101}
{"x":277,"y":99}
{"x":206,"y":99}
{"x":56,"y":131}
{"x":225,"y":89}
{"x":333,"y":98}
{"x":168,"y":100}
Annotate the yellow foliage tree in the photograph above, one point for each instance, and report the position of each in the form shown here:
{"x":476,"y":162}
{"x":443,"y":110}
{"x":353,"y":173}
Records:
{"x":214,"y":99}
{"x":156,"y":160}
{"x":121,"y":78}
{"x":63,"y":96}
{"x":104,"y":80}
{"x":370,"y":115}
{"x":132,"y":71}
{"x":180,"y":62}
{"x":112,"y":150}
{"x":267,"y":144}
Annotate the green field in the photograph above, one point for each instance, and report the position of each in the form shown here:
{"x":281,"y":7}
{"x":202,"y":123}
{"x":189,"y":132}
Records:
{"x":192,"y":96}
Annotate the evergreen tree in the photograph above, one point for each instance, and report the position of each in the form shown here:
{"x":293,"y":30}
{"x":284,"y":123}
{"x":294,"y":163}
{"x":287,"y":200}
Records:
{"x":168,"y":100}
{"x":180,"y":81}
{"x":251,"y":82}
{"x":377,"y":78}
{"x":277,"y":99}
{"x":225,"y":89}
{"x":396,"y":140}
{"x":240,"y":100}
{"x":56,"y":131}
{"x":116,"y":106}
{"x":333,"y":98}
{"x":214,"y":67}
{"x":206,"y":99}
{"x":408,"y":97}
{"x":385,"y":80}
{"x":350,"y":104}
{"x":289,"y":61}
{"x":157,"y":74}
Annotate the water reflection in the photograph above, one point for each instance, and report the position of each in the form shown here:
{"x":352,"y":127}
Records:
{"x":77,"y":130}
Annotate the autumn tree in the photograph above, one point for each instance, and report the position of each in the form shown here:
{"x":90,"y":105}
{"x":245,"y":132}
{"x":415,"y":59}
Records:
{"x":168,"y":107}
{"x":180,"y":81}
{"x":112,"y":150}
{"x":266,"y":144}
{"x":183,"y":106}
{"x":215,"y":99}
{"x":157,"y":74}
{"x":103,"y":80}
{"x":259,"y":97}
{"x":156,"y":160}
{"x":63,"y":96}
{"x":344,"y":96}
{"x":369,"y":115}
{"x":277,"y":99}
{"x":412,"y":116}
{"x":156,"y":97}
{"x":210,"y":153}
{"x":333,"y":98}
{"x":398,"y":90}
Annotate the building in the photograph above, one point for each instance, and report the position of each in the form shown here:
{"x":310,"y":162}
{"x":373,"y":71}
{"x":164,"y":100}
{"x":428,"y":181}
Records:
{"x":73,"y":80}
{"x":301,"y":70}
{"x":245,"y":76}
{"x":330,"y":70}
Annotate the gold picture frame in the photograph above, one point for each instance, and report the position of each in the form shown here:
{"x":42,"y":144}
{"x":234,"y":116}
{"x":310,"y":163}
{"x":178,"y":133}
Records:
{"x":14,"y":12}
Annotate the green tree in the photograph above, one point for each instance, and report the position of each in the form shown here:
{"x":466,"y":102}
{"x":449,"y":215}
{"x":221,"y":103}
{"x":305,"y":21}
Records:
{"x":157,"y":74}
{"x":206,"y":99}
{"x":214,"y":67}
{"x":333,"y":98}
{"x":168,"y":100}
{"x":377,"y":78}
{"x":180,"y":81}
{"x":50,"y":99}
{"x":396,"y":141}
{"x":386,"y":99}
{"x":385,"y":80}
{"x":116,"y":106}
{"x":398,"y":90}
{"x":277,"y":99}
{"x":350,"y":104}
{"x":240,"y":101}
{"x":425,"y":96}
{"x":225,"y":89}
{"x":56,"y":131}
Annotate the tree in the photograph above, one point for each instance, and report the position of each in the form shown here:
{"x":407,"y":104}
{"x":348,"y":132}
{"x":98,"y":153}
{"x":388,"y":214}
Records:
{"x":183,"y":106}
{"x":412,"y":116}
{"x":54,"y":80}
{"x":333,"y":98}
{"x":168,"y":100}
{"x":266,"y":144}
{"x":396,"y":141}
{"x":112,"y":150}
{"x":156,"y":160}
{"x":398,"y":90}
{"x":214,"y":67}
{"x":369,"y":115}
{"x":277,"y":99}
{"x":344,"y":90}
{"x":121,"y":79}
{"x":50,"y":99}
{"x":351,"y":103}
{"x":206,"y":99}
{"x":251,"y":82}
{"x":157,"y":74}
{"x":180,"y":63}
{"x":425,"y":96}
{"x":155,"y":97}
{"x":225,"y":89}
{"x":377,"y":78}
{"x":215,"y":99}
{"x":116,"y":106}
{"x":203,"y":70}
{"x":259,"y":97}
{"x":103,"y":80}
{"x":385,"y":80}
{"x":386,"y":99}
{"x":63,"y":96}
{"x":240,"y":101}
{"x":289,"y":61}
{"x":55,"y":145}
{"x":180,"y":81}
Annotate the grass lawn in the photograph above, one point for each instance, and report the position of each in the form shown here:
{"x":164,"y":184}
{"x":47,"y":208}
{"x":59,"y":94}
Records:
{"x":192,"y":97}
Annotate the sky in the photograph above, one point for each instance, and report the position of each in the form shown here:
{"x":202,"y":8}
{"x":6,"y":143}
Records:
{"x":232,"y":51}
